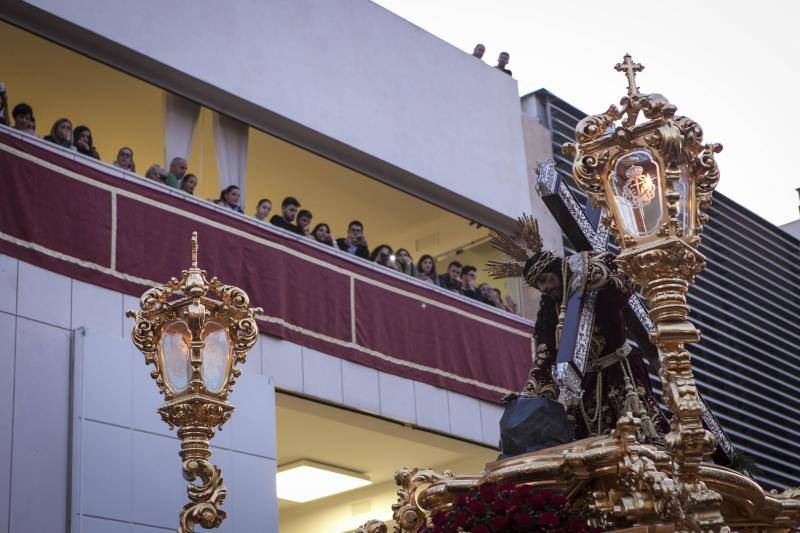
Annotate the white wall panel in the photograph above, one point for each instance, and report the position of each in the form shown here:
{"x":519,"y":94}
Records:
{"x":8,"y":284}
{"x":44,"y":296}
{"x":7,"y":341}
{"x":41,"y":427}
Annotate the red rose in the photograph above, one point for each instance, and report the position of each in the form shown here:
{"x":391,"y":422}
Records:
{"x":476,"y":506}
{"x":499,"y":505}
{"x":545,"y":493}
{"x":460,"y":519}
{"x":536,"y":501}
{"x":507,"y":487}
{"x":548,"y":519}
{"x":523,"y":491}
{"x":488,"y":491}
{"x":499,"y":523}
{"x":480,"y":528}
{"x":462,"y":501}
{"x":522,"y":519}
{"x":439,"y":519}
{"x":558,"y":500}
{"x":576,"y":523}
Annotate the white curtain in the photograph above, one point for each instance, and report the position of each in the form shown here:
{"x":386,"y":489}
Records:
{"x":230,"y":145}
{"x":179,"y":127}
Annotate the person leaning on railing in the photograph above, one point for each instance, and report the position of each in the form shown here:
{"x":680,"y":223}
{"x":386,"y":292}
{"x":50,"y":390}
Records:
{"x":82,"y":139}
{"x":322,"y":234}
{"x":426,"y":270}
{"x":356,"y":242}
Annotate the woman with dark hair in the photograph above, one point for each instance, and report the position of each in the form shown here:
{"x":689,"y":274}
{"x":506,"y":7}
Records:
{"x":382,"y":255}
{"x":426,"y":270}
{"x":229,"y":197}
{"x":322,"y":233}
{"x":188,"y":183}
{"x":82,"y":139}
{"x":61,"y":133}
{"x":403,"y":263}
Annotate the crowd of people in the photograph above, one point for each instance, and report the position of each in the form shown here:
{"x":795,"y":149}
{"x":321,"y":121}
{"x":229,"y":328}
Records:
{"x":461,"y":279}
{"x":502,"y":59}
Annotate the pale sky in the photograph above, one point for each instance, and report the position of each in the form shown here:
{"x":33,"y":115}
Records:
{"x":734,"y":67}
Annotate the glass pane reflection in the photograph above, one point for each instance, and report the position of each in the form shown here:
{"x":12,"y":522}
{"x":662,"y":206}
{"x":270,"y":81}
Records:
{"x":215,"y":356}
{"x":176,"y":353}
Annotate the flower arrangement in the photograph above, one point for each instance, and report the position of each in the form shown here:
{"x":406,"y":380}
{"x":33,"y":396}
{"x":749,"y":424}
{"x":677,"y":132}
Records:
{"x":490,"y":508}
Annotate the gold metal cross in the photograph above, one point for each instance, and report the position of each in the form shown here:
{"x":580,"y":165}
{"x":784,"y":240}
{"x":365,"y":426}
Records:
{"x":630,"y":69}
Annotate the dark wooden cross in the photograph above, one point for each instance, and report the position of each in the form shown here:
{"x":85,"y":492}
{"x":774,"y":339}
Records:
{"x":583,"y":230}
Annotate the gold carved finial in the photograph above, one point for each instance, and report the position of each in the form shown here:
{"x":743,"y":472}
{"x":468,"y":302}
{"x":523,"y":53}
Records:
{"x":194,"y":249}
{"x":630,"y":69}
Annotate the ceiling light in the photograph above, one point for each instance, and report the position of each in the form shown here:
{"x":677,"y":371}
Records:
{"x":303,"y":481}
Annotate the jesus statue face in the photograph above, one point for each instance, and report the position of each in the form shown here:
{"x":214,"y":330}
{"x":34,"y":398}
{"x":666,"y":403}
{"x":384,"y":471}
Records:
{"x":550,"y":284}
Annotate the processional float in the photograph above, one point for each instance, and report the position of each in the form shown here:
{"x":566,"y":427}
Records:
{"x":648,"y":172}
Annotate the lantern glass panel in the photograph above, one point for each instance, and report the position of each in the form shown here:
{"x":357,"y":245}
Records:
{"x":636,"y":184}
{"x":176,"y":354}
{"x":682,"y":187}
{"x":216,"y":355}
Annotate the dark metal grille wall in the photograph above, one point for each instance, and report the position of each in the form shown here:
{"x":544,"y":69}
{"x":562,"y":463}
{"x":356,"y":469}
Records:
{"x":747,"y":305}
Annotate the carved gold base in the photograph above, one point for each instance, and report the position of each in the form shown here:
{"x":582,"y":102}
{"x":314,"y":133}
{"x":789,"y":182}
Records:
{"x":625,"y":483}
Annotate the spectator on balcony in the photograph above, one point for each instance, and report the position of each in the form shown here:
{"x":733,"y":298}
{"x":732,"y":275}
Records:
{"x":229,"y":197}
{"x":451,"y":280}
{"x":286,"y":218}
{"x":509,"y":304}
{"x":382,"y":255}
{"x":304,"y":221}
{"x":426,"y":270}
{"x":125,"y":159}
{"x":23,"y":118}
{"x":177,"y":170}
{"x":61,"y":133}
{"x":502,"y":61}
{"x":322,"y":233}
{"x":479,"y":51}
{"x":3,"y":105}
{"x":82,"y":138}
{"x":469,"y":282}
{"x":404,"y":263}
{"x":356,"y":242}
{"x":263,"y":208}
{"x":188,"y":184}
{"x":156,"y":173}
{"x":490,"y":296}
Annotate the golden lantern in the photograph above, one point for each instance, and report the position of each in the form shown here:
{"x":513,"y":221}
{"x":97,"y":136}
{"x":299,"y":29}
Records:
{"x":195,"y":343}
{"x":653,"y":179}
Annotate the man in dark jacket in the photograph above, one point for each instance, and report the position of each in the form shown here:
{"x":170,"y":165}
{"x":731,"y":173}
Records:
{"x":356,"y":242}
{"x":288,"y":212}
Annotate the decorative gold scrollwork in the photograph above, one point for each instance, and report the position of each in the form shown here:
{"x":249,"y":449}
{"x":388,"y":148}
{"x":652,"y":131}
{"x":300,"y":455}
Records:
{"x":206,"y":498}
{"x":407,"y":513}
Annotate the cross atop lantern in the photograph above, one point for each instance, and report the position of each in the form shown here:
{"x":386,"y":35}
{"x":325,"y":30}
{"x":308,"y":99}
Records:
{"x":195,"y":342}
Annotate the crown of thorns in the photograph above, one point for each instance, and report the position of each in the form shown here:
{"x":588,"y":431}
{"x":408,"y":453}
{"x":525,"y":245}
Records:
{"x":529,"y":230}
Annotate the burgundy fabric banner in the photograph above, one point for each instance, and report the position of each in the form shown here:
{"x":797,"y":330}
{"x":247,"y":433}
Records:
{"x":77,"y":218}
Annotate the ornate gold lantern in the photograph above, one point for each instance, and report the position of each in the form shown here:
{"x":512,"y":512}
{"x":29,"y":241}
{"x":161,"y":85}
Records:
{"x":195,"y":343}
{"x":653,"y":179}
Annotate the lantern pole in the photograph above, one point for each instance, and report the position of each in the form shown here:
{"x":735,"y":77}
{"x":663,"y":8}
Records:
{"x":663,"y":260}
{"x":197,"y":407}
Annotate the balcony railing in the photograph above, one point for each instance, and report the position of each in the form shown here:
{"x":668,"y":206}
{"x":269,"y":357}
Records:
{"x":103,"y":225}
